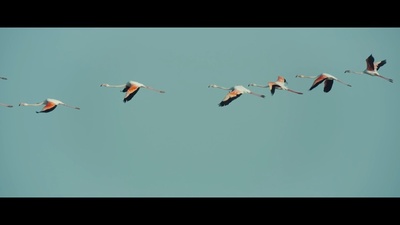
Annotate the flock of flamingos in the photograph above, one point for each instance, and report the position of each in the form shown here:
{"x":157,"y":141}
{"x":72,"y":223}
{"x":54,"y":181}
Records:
{"x":132,"y":87}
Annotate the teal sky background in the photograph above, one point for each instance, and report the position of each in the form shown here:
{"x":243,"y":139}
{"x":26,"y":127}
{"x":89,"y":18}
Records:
{"x":344,"y":143}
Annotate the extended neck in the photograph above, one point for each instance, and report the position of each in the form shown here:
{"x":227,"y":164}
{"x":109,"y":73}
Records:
{"x":31,"y":104}
{"x":113,"y":86}
{"x":257,"y":85}
{"x":220,"y":87}
{"x":304,"y":76}
{"x":355,"y":72}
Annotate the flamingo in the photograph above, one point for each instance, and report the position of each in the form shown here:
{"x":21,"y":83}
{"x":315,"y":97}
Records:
{"x":6,"y":105}
{"x":372,"y":68}
{"x":131,"y":88}
{"x":279,"y":84}
{"x":49,"y":105}
{"x":234,"y":93}
{"x":323,"y":77}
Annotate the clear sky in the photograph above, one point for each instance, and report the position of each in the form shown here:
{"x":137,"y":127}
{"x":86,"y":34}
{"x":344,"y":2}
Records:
{"x":181,"y":143}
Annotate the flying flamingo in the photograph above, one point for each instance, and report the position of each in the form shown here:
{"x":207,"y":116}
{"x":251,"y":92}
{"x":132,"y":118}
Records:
{"x":279,"y":84}
{"x":323,"y":77}
{"x":49,"y":105}
{"x":234,"y":93}
{"x":131,"y":88}
{"x":372,"y":68}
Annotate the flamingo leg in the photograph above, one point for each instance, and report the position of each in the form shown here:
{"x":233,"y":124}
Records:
{"x":294,"y":91}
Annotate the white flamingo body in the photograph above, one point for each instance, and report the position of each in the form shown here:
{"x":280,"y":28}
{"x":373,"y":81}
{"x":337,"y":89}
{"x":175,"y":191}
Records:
{"x":130,"y":89}
{"x":323,"y":77}
{"x":279,"y":84}
{"x":49,"y":105}
{"x":372,"y":68}
{"x":234,"y":93}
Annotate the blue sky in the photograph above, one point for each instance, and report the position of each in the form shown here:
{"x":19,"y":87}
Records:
{"x":180,"y":143}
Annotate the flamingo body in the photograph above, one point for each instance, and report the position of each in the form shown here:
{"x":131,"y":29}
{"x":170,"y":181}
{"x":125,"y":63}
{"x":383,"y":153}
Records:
{"x":372,"y":68}
{"x":49,"y":105}
{"x":130,"y":89}
{"x":326,"y":78}
{"x":234,"y":93}
{"x":279,"y":84}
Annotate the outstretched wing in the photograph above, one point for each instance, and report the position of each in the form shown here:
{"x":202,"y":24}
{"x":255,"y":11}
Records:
{"x":232,"y":95}
{"x":380,"y":64}
{"x":273,"y":86}
{"x":328,"y":85}
{"x":130,"y":92}
{"x":317,"y":81}
{"x":370,"y":63}
{"x":50,"y":106}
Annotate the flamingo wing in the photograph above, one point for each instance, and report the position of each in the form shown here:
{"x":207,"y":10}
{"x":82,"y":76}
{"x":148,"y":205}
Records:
{"x":380,"y":64}
{"x":130,"y":92}
{"x":370,"y":63}
{"x":272,"y":87}
{"x":328,"y":85}
{"x":232,"y":95}
{"x":50,"y":106}
{"x":317,"y":81}
{"x":281,"y":79}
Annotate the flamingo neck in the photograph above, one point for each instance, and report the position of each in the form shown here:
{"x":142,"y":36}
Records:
{"x":223,"y":88}
{"x":33,"y":104}
{"x":261,"y":86}
{"x":312,"y":77}
{"x":115,"y":86}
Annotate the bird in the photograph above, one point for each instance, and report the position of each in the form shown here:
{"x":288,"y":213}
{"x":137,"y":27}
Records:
{"x":234,"y":93}
{"x":279,"y":84}
{"x":131,"y":88}
{"x":372,"y":68}
{"x":3,"y":78}
{"x":49,"y":105}
{"x":323,"y":77}
{"x":6,"y":105}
